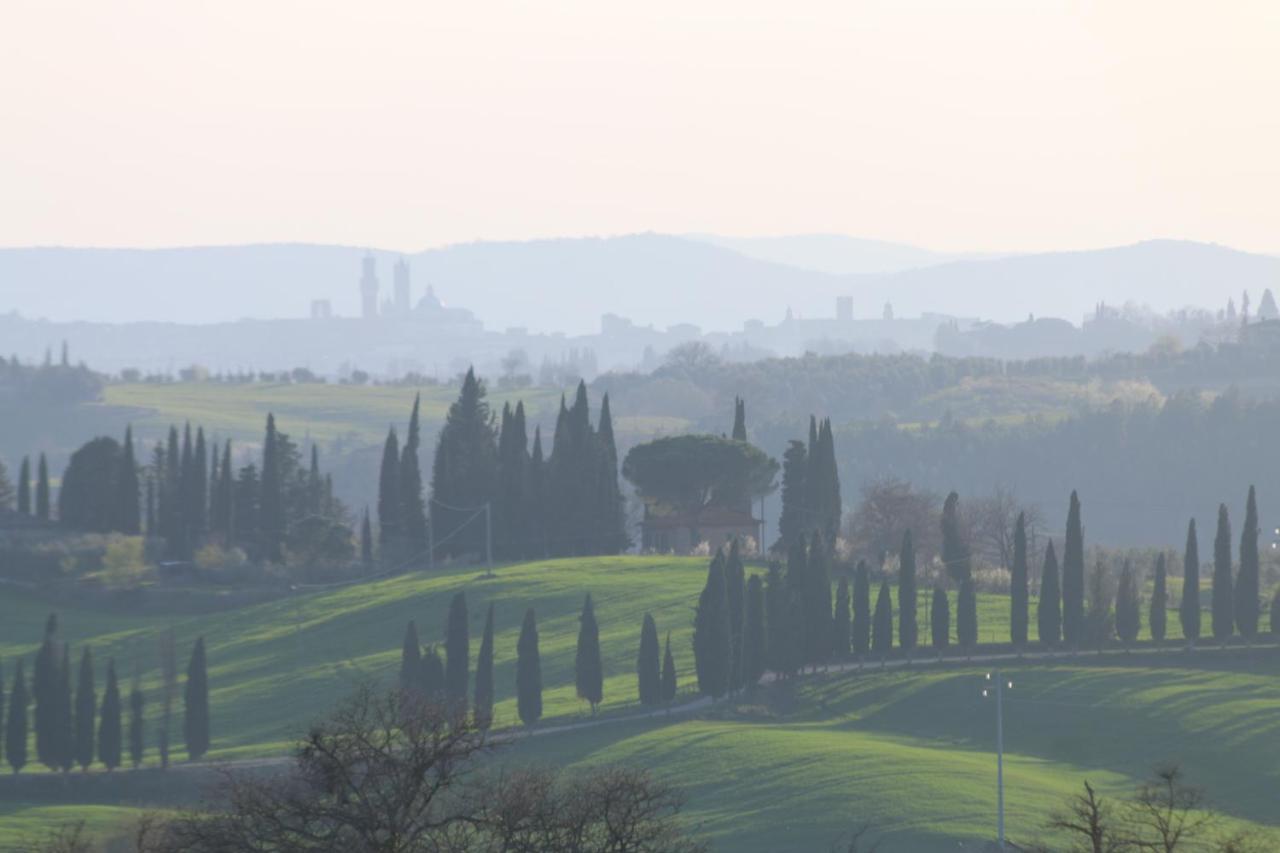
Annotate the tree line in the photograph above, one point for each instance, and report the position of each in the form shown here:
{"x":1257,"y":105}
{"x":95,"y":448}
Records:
{"x":72,"y":728}
{"x":567,"y":502}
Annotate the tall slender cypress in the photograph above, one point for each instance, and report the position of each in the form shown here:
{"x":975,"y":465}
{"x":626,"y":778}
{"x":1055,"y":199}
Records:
{"x":199,"y":496}
{"x":127,"y":508}
{"x":271,"y":510}
{"x":1018,"y":592}
{"x":1128,"y":606}
{"x":739,"y":419}
{"x":588,"y":668}
{"x":1189,"y":610}
{"x":817,"y":608}
{"x":457,"y":648}
{"x":464,"y":473}
{"x":484,"y":675}
{"x":794,"y":520}
{"x":956,"y":557}
{"x":195,"y":724}
{"x":668,"y":674}
{"x":753,"y":633}
{"x":712,"y":649}
{"x":65,"y":738}
{"x":882,"y":622}
{"x":736,"y":588}
{"x":389,"y":501}
{"x":221,"y":510}
{"x":610,"y":505}
{"x":1247,"y":581}
{"x":411,"y":661}
{"x":528,"y":671}
{"x":86,"y":708}
{"x":366,"y":541}
{"x":1049,"y":608}
{"x":109,"y":746}
{"x":648,"y":664}
{"x":44,"y":687}
{"x":15,"y":724}
{"x":940,"y":620}
{"x":780,"y":638}
{"x":24,"y":486}
{"x":908,"y":604}
{"x":842,"y":630}
{"x":861,"y":609}
{"x":1223,"y":613}
{"x":137,"y":721}
{"x":413,"y":509}
{"x":536,"y":526}
{"x":42,"y":489}
{"x":509,"y":520}
{"x":1073,"y":577}
{"x":1159,"y":601}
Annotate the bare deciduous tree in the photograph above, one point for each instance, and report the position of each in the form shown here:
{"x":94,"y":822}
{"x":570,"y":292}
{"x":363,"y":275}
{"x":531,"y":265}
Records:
{"x":889,"y":507}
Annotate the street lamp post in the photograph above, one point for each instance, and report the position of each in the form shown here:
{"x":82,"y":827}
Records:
{"x":997,"y":685}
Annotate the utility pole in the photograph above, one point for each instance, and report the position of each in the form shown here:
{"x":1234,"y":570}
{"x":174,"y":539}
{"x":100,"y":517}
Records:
{"x":994,"y":677}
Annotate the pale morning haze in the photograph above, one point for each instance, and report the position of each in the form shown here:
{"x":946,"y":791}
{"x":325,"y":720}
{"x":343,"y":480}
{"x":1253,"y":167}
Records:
{"x":977,"y":126}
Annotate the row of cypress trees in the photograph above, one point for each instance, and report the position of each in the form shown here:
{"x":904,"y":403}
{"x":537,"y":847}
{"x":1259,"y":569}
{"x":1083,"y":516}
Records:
{"x":1062,"y":617}
{"x":567,"y":503}
{"x":810,"y":486}
{"x":426,"y":674}
{"x":71,"y":728}
{"x":34,"y":501}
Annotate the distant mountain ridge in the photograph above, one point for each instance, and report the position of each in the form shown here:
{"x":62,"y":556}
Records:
{"x":567,"y":284}
{"x":837,"y":254}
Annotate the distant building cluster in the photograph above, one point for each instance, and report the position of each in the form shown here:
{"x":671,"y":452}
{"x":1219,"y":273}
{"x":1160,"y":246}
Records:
{"x":399,"y":305}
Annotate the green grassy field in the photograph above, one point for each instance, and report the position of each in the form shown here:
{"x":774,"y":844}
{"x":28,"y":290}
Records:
{"x":908,"y":750}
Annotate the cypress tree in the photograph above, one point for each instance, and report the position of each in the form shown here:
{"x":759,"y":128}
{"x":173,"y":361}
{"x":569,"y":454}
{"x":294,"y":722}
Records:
{"x":389,"y":503}
{"x":464,"y":475}
{"x":65,"y":737}
{"x":843,"y":622}
{"x":1247,"y":581}
{"x":668,"y":674}
{"x":1223,"y":599}
{"x":1127,"y":606}
{"x":199,"y":494}
{"x":1049,"y":608}
{"x":908,"y":604}
{"x":610,"y":507}
{"x":711,"y":639}
{"x":861,"y":609}
{"x":588,"y":669}
{"x":432,"y":677}
{"x":955,"y":549}
{"x":735,"y":587}
{"x":457,"y":648}
{"x":794,"y":521}
{"x":366,"y":541}
{"x":221,"y":509}
{"x":42,"y":489}
{"x":195,"y":724}
{"x":109,"y":746}
{"x":24,"y":486}
{"x":940,"y":620}
{"x":535,"y":501}
{"x":780,"y":637}
{"x":739,"y":419}
{"x":15,"y":731}
{"x":882,"y":627}
{"x":509,"y":515}
{"x":1159,"y":601}
{"x":44,"y":687}
{"x":753,"y":634}
{"x":86,"y":708}
{"x":817,"y":611}
{"x":129,"y":518}
{"x":1189,"y":610}
{"x":967,"y":616}
{"x":528,"y":672}
{"x":413,"y":510}
{"x":648,"y":665}
{"x":137,"y":716}
{"x":1073,"y":577}
{"x":411,"y":661}
{"x":1018,"y":593}
{"x":484,"y":675}
{"x":271,"y":511}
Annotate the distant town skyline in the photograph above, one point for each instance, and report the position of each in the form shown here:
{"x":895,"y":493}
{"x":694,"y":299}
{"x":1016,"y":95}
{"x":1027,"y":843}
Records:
{"x":991,"y":126}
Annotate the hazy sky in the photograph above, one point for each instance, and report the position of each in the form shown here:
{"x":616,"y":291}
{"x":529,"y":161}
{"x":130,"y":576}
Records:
{"x":1014,"y":125}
